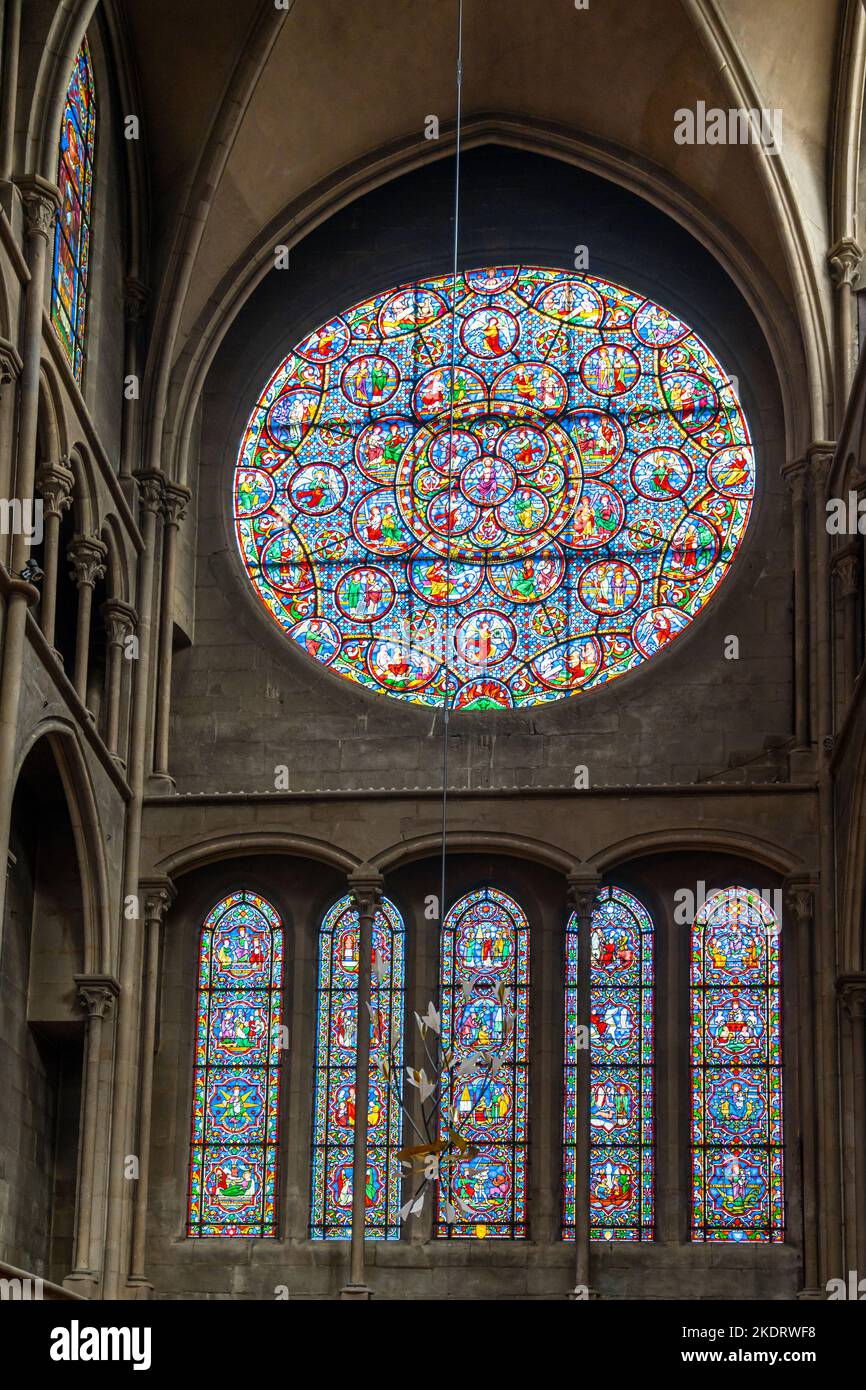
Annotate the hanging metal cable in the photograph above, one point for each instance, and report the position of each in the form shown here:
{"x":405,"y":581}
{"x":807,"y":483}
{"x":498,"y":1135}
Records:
{"x":446,"y":694}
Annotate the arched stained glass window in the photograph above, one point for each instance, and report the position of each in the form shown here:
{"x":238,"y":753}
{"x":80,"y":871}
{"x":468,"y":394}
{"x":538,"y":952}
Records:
{"x":484,"y":973}
{"x":336,"y":1046}
{"x":737,"y":1189}
{"x":72,"y":234}
{"x":621,"y":1070}
{"x":528,"y":522}
{"x":236,"y":1097}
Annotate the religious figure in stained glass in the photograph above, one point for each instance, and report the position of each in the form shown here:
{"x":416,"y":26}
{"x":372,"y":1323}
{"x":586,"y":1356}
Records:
{"x":621,"y":1205}
{"x":523,"y":521}
{"x":485,"y":1004}
{"x":336,"y":1047}
{"x":72,"y":233}
{"x":236,"y":1096}
{"x":737,"y":1173}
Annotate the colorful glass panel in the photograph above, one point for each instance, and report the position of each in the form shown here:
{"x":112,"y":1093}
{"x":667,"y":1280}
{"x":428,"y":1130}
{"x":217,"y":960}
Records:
{"x":485,"y":974}
{"x":532,"y":522}
{"x":236,"y":1096}
{"x":72,"y":233}
{"x":621,"y":1071}
{"x":336,"y":1049}
{"x":737,"y":1177}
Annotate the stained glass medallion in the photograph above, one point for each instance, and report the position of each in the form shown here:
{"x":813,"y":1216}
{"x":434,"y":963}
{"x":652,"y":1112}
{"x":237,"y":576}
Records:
{"x":737,"y":1164}
{"x":336,"y":1050}
{"x":537,"y":521}
{"x":621,"y":1071}
{"x":72,"y":233}
{"x":233,"y":1168}
{"x":484,"y":974}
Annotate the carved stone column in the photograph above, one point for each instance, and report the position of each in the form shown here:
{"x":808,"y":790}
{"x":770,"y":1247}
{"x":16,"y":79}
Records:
{"x":10,"y":371}
{"x":86,"y":554}
{"x":120,"y":620}
{"x":846,"y":568}
{"x":54,"y":482}
{"x":820,"y":458}
{"x":96,"y":994}
{"x":583,"y":890}
{"x":365,"y":886}
{"x":135,"y":303}
{"x":851,"y":990}
{"x":843,"y":260}
{"x":795,"y":477}
{"x":157,"y":896}
{"x":174,"y":510}
{"x":41,"y":201}
{"x":150,"y":485}
{"x":800,"y":902}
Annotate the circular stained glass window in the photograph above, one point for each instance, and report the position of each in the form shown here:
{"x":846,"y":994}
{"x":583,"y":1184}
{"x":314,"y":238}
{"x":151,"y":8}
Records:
{"x":497,"y":497}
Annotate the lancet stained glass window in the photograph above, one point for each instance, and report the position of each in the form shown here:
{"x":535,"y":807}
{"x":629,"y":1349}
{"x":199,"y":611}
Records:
{"x":621,"y":1070}
{"x":484,"y":972}
{"x":336,"y":1050}
{"x":72,"y":233}
{"x":533,"y":520}
{"x":737,"y":1178}
{"x":236,"y":1097}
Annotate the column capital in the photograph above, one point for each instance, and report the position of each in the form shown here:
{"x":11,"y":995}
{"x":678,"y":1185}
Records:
{"x":151,"y":487}
{"x":844,"y":259}
{"x":136,"y":296}
{"x":176,"y":498}
{"x":820,"y":456}
{"x":794,"y":475}
{"x":799,"y":894}
{"x":55,"y":481}
{"x":86,"y":555}
{"x":120,"y":620}
{"x":41,"y":201}
{"x":851,"y":990}
{"x":96,"y":993}
{"x":10,"y":363}
{"x":157,"y":895}
{"x":366,"y":886}
{"x":583,"y":890}
{"x":846,"y":568}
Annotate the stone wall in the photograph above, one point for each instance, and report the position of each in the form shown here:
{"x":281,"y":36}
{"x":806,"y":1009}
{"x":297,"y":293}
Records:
{"x":246,"y":701}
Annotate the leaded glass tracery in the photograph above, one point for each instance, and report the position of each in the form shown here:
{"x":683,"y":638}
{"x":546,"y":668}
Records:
{"x":533,"y":520}
{"x":485,"y":976}
{"x":72,"y":233}
{"x":336,"y":1048}
{"x":736,"y":1125}
{"x":621,"y":1115}
{"x":236,"y":1094}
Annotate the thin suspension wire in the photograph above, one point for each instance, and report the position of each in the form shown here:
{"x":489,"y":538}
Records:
{"x":446,"y":711}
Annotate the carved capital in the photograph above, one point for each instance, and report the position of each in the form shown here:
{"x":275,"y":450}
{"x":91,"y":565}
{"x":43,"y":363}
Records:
{"x":820,"y":457}
{"x":799,"y":891}
{"x":54,"y":483}
{"x":175,"y":502}
{"x":847,"y":570}
{"x":135,"y":299}
{"x":795,"y":477}
{"x":120,"y":620}
{"x":366,"y":886}
{"x":851,"y":990}
{"x":41,"y":201}
{"x":96,"y":994}
{"x":844,"y":260}
{"x":583,"y":890}
{"x":10,"y":364}
{"x":86,"y":555}
{"x":151,"y":487}
{"x":157,"y":896}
